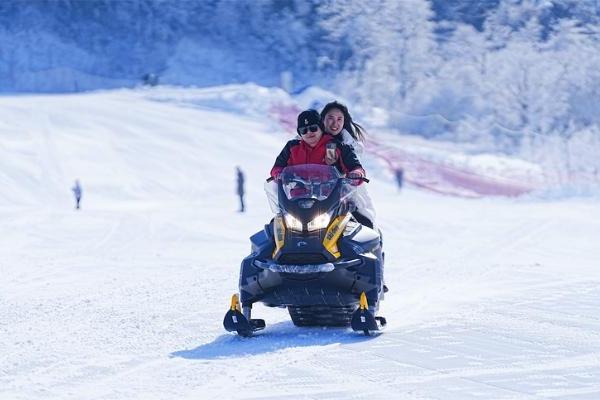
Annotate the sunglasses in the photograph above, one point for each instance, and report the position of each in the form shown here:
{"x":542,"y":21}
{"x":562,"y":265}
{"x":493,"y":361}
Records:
{"x":304,"y":130}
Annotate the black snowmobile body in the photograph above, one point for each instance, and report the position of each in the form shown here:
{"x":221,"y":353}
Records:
{"x":314,"y":258}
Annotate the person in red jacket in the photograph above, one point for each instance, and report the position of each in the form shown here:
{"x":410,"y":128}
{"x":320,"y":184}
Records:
{"x":312,"y":148}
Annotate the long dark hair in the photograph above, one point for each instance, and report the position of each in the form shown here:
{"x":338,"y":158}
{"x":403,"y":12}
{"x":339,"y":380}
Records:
{"x":354,"y":129}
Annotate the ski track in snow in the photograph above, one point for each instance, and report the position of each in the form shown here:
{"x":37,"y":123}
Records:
{"x":489,"y":299}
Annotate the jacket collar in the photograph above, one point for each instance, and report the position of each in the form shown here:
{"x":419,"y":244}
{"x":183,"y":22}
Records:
{"x":324,"y":139}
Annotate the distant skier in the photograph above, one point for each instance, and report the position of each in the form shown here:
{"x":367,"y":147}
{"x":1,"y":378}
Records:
{"x":150,"y":79}
{"x":77,"y":193}
{"x":240,"y":188}
{"x":399,"y":172}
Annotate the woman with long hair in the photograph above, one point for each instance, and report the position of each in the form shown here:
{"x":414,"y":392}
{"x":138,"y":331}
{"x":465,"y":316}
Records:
{"x":338,"y":122}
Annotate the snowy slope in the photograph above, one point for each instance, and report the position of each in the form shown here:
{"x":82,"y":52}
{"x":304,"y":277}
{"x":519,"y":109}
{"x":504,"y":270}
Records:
{"x":490,"y":299}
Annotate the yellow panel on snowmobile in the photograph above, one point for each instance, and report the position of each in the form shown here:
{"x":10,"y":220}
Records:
{"x":333,"y":234}
{"x":364,"y":305}
{"x":235,"y":303}
{"x":279,"y":233}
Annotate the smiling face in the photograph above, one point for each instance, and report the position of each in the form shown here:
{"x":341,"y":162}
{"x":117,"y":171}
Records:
{"x":334,"y":121}
{"x":312,"y":138}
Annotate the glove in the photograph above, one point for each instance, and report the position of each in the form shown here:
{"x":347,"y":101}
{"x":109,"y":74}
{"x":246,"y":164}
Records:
{"x":276,"y":173}
{"x":356,"y":176}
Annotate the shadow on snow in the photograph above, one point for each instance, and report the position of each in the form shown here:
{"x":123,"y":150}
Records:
{"x":279,"y":336}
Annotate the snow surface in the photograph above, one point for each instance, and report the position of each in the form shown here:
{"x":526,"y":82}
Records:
{"x":489,"y":298}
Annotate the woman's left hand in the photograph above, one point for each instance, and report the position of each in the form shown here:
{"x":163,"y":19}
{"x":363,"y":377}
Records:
{"x":330,"y":160}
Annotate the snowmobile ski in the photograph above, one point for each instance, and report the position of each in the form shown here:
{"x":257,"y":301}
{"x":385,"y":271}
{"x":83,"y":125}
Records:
{"x":235,"y":321}
{"x":364,"y":320}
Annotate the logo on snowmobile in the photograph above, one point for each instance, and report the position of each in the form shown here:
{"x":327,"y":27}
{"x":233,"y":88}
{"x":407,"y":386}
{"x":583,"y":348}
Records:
{"x":301,"y":244}
{"x":332,"y":232}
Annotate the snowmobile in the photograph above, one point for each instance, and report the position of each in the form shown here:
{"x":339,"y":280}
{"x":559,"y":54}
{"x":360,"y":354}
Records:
{"x":313,"y":258}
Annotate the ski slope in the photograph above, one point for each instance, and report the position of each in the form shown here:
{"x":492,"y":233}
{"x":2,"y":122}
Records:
{"x":489,"y":298}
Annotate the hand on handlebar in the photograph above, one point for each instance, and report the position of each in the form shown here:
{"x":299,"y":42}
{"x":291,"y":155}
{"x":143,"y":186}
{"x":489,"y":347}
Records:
{"x":357,"y":177}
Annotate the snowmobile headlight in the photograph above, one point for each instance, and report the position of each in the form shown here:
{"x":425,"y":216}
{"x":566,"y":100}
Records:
{"x":293,"y":222}
{"x":320,"y":222}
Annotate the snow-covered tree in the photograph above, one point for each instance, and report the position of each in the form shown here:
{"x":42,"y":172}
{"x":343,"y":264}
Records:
{"x":391,"y":46}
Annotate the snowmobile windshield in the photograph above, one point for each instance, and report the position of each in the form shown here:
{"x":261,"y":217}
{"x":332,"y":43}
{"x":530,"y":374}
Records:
{"x":309,"y":181}
{"x":306,"y":181}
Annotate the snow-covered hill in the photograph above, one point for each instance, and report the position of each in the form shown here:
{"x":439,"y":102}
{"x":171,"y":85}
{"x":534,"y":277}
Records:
{"x":490,"y":298}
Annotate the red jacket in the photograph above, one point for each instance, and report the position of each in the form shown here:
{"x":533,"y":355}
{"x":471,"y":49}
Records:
{"x":297,"y":152}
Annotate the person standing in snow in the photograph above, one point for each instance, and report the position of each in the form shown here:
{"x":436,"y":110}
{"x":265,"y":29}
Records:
{"x":338,"y":123}
{"x":399,"y":172}
{"x":77,"y":193}
{"x":240,"y":188}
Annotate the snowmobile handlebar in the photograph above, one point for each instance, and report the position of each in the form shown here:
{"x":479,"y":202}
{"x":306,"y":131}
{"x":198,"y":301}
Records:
{"x":358,"y":178}
{"x":344,"y":180}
